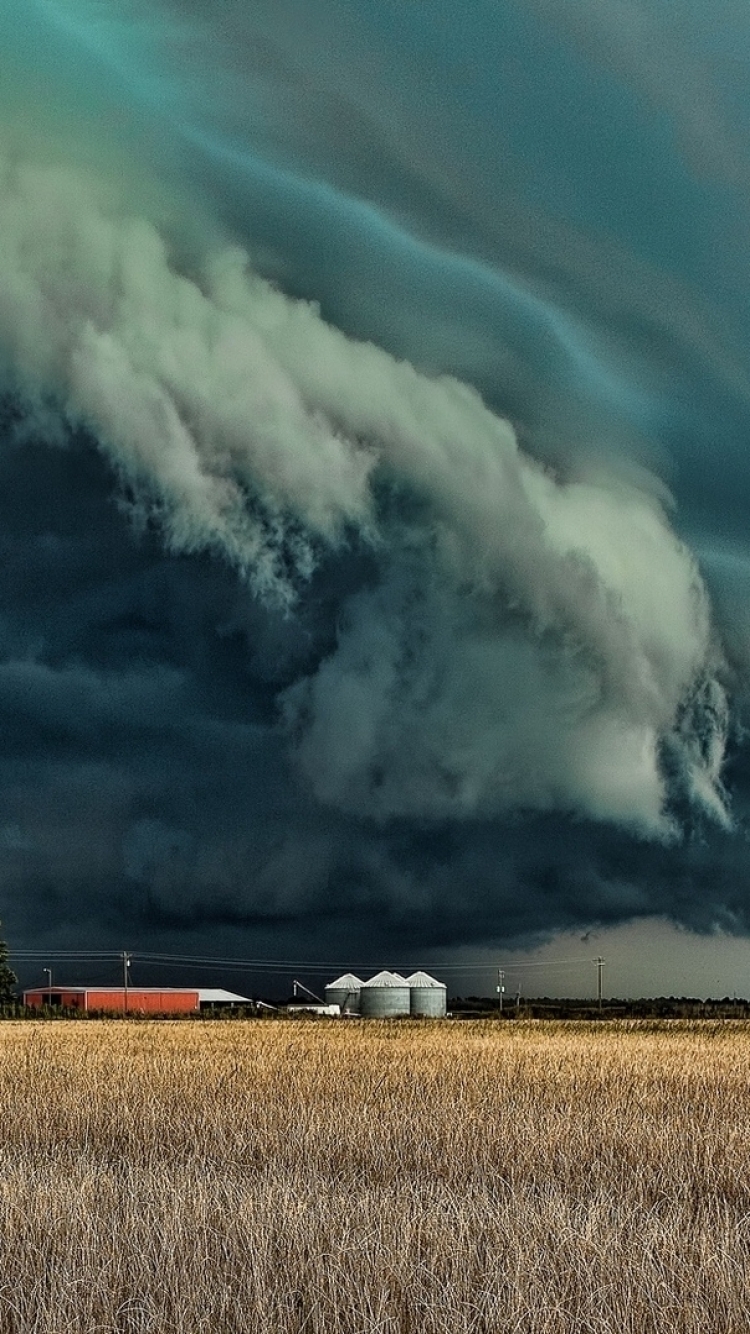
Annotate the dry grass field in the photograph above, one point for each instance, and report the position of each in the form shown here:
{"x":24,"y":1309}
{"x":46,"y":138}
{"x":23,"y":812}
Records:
{"x":286,"y":1177}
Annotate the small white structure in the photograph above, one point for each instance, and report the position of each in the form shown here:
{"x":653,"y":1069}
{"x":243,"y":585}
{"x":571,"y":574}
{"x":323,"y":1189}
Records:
{"x":328,"y":1011}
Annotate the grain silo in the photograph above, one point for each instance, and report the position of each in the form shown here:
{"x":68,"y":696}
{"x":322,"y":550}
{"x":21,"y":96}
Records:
{"x":385,"y":996}
{"x":344,"y":992}
{"x":428,"y":997}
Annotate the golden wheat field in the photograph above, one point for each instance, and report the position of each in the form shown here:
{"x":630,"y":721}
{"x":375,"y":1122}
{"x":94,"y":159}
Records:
{"x":405,"y":1178}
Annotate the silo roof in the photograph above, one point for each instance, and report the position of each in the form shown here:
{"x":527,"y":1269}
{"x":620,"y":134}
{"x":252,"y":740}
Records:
{"x":420,"y":979}
{"x":348,"y":982}
{"x":386,"y":979}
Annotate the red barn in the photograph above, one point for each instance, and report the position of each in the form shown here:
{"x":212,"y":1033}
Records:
{"x":134,"y":1000}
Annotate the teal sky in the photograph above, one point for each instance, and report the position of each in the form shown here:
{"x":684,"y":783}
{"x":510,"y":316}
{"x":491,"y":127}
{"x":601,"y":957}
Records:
{"x":325,"y":649}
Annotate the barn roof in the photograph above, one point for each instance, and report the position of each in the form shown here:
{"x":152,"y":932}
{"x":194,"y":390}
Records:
{"x":56,"y":987}
{"x":217,"y":996}
{"x":206,"y":995}
{"x":105,"y":986}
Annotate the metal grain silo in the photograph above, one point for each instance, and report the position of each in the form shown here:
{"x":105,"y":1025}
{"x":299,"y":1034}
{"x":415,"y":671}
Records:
{"x":385,"y":996}
{"x":344,"y":992}
{"x":428,"y":997}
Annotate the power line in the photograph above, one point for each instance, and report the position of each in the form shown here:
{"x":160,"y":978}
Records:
{"x":274,"y":965}
{"x":543,"y":963}
{"x":78,"y":954}
{"x":348,"y":963}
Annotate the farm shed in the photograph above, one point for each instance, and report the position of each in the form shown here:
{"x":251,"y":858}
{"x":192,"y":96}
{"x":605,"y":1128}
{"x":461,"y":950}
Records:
{"x":134,"y":1000}
{"x":328,"y":1011}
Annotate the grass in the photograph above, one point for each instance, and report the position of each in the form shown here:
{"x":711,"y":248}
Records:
{"x":294,"y":1178}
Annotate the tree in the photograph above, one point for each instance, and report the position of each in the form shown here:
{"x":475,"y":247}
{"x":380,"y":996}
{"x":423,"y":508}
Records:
{"x":8,"y":978}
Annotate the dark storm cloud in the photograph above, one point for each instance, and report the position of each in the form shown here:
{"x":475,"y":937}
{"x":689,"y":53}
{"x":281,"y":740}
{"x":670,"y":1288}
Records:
{"x":594,"y":155}
{"x":146,"y":786}
{"x":313,"y":647}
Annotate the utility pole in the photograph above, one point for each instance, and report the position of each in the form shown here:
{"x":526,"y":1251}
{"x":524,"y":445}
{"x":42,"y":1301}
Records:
{"x":125,"y":967}
{"x":599,"y":965}
{"x":48,"y":971}
{"x":500,"y":989}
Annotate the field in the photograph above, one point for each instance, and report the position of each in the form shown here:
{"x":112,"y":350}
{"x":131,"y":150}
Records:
{"x":290,"y":1177}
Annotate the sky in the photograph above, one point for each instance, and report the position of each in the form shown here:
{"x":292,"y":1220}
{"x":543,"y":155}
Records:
{"x":374,"y":399}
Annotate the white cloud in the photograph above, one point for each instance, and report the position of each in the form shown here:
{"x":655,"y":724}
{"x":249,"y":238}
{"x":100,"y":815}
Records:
{"x":531,"y":643}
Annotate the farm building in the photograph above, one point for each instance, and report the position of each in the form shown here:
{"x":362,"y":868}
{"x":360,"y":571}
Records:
{"x":133,"y":1000}
{"x":344,"y":992}
{"x":328,"y":1011}
{"x":389,"y":996}
{"x":385,"y":996}
{"x":427,"y":996}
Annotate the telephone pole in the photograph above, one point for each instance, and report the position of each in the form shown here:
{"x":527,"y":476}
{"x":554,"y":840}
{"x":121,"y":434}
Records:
{"x":125,"y":967}
{"x":500,"y":989}
{"x":599,"y":965}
